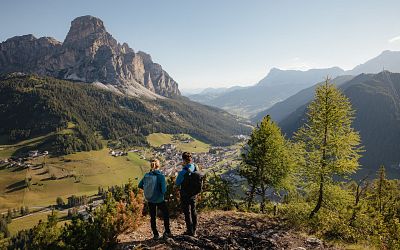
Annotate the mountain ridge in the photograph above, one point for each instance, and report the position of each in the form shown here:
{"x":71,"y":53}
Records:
{"x":276,"y":86}
{"x":89,"y":54}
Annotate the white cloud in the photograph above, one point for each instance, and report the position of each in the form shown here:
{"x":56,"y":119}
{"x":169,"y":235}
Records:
{"x":394,"y":39}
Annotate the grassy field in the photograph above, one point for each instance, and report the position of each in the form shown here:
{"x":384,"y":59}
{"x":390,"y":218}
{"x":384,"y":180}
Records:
{"x":30,"y":221}
{"x":80,"y":173}
{"x":196,"y":146}
{"x":7,"y":150}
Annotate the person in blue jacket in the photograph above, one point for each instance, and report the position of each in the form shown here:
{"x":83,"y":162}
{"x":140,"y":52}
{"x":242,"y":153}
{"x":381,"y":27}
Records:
{"x":154,"y":186}
{"x":188,"y":203}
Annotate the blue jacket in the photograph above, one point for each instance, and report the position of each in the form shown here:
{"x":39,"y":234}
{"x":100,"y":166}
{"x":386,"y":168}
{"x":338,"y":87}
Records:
{"x":181,"y":174}
{"x":162,"y":186}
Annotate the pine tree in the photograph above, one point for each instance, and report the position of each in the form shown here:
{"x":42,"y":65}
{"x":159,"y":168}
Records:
{"x":330,"y":145}
{"x":266,"y":161}
{"x":4,"y":228}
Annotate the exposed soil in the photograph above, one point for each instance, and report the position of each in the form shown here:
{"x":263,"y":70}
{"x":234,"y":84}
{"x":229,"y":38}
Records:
{"x":224,"y":230}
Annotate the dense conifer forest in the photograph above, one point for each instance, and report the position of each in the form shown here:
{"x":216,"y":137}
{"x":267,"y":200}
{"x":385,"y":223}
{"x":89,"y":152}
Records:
{"x":81,"y":114}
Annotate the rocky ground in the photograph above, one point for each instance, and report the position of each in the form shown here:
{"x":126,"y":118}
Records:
{"x":224,"y":230}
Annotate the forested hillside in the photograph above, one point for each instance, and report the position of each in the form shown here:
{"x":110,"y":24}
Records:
{"x":32,"y":106}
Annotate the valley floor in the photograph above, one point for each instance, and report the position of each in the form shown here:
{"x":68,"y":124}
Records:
{"x":224,"y":230}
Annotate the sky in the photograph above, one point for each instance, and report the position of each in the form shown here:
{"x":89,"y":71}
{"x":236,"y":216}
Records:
{"x":221,"y":43}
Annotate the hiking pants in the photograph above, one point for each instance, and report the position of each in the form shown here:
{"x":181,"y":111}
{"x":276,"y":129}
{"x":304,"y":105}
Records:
{"x":153,"y":213}
{"x":189,"y":209}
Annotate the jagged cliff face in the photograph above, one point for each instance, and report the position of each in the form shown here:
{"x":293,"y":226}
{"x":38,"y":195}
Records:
{"x":89,"y":54}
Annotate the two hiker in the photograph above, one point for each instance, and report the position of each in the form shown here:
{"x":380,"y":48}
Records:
{"x":154,"y":186}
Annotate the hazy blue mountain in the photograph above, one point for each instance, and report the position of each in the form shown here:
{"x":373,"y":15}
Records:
{"x":281,"y":110}
{"x":208,"y":94}
{"x":387,"y":60}
{"x":376,"y":99}
{"x":275,"y":87}
{"x":390,"y":60}
{"x":277,"y":77}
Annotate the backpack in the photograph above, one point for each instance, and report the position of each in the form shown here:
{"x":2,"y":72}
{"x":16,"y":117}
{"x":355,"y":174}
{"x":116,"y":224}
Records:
{"x":150,"y":186}
{"x":192,"y":183}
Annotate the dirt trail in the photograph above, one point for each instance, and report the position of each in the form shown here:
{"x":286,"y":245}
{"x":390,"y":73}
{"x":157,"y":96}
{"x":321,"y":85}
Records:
{"x":224,"y":230}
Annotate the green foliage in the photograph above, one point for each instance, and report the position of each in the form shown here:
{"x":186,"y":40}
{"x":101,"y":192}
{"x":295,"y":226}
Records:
{"x":3,"y":242}
{"x":99,"y":231}
{"x":4,"y":228}
{"x":217,"y":193}
{"x":266,"y":161}
{"x":172,"y":197}
{"x":60,"y":202}
{"x":366,"y":212}
{"x":74,"y":201}
{"x":46,"y":235}
{"x":330,"y":144}
{"x":106,"y":223}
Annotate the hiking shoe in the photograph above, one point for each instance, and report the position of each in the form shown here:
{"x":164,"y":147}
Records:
{"x":156,"y":237}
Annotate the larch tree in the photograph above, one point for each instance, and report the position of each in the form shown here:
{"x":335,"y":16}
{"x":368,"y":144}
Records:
{"x":331,"y":147}
{"x":266,"y":161}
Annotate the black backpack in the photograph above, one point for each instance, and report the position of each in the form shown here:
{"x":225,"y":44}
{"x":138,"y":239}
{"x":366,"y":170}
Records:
{"x":192,"y":183}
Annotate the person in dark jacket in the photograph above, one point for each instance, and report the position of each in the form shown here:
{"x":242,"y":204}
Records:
{"x":156,"y":198}
{"x":188,"y":203}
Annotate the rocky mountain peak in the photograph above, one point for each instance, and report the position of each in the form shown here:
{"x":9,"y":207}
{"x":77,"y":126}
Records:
{"x":89,"y":54}
{"x":83,"y":27}
{"x":23,"y":38}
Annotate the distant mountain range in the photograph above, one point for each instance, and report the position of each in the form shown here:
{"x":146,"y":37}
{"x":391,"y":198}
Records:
{"x":275,"y":87}
{"x":256,"y":101}
{"x":283,"y":109}
{"x":387,"y":60}
{"x":88,"y":54}
{"x":376,"y":99}
{"x":210,"y":94}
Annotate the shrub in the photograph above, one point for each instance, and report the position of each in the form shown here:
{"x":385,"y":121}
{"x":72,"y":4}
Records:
{"x":172,"y":197}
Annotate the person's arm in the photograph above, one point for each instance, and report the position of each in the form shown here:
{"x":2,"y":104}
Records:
{"x":179,"y":178}
{"x":141,"y":184}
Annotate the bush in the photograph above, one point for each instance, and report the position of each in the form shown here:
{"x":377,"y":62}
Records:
{"x":99,"y":231}
{"x":217,"y":193}
{"x":107,"y":222}
{"x":172,"y":198}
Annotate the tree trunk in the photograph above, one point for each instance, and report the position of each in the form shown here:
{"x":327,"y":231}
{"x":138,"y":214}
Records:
{"x":263,"y":191}
{"x":251,"y":196}
{"x":320,"y":197}
{"x":323,"y":162}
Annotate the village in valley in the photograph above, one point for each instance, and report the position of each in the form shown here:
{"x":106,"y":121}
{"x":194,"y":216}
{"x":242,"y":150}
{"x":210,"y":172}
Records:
{"x":40,"y":170}
{"x":218,"y":159}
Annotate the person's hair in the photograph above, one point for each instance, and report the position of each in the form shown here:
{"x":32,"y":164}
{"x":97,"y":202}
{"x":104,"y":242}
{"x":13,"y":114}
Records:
{"x":186,"y":156}
{"x":155,"y":164}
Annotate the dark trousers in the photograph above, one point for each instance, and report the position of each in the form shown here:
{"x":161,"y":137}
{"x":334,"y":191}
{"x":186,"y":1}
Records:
{"x":153,"y":213}
{"x":188,"y":205}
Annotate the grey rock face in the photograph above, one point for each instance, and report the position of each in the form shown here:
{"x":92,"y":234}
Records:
{"x":89,"y":54}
